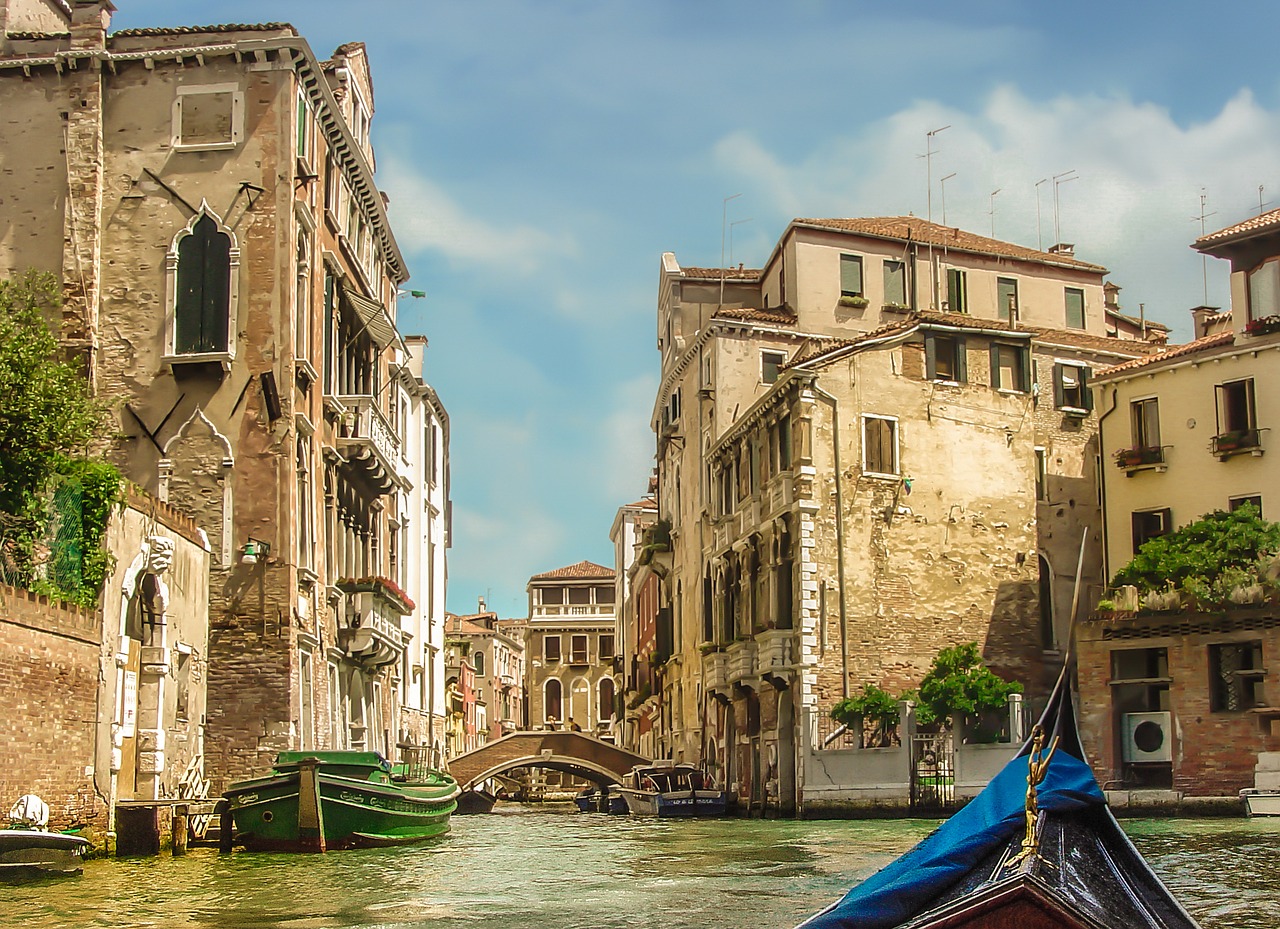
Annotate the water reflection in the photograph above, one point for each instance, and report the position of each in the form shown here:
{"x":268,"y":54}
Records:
{"x":564,"y":870}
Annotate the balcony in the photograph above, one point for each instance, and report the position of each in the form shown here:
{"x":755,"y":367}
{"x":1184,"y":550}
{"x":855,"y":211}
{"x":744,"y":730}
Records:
{"x":367,"y":442}
{"x":775,"y":650}
{"x":715,"y":672}
{"x":372,"y":634}
{"x":1140,"y":457}
{"x":1237,"y":442}
{"x":781,"y":492}
{"x":576,"y":611}
{"x":741,"y":658}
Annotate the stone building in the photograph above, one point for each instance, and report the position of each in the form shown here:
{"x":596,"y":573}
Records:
{"x":637,"y":542}
{"x":804,"y":409}
{"x":496,"y":655}
{"x":1183,"y":698}
{"x":570,"y":647}
{"x":206,"y":196}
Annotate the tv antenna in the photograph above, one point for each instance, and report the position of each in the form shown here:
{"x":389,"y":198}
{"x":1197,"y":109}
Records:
{"x":1204,"y":259}
{"x":1066,"y":177}
{"x":1039,"y":234}
{"x":928,"y":168}
{"x":992,"y":212}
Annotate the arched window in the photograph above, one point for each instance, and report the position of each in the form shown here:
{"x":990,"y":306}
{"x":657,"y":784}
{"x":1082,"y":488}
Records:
{"x":306,"y":513}
{"x":477,"y":662}
{"x":551,"y":701}
{"x":605,"y":711}
{"x":202,"y":268}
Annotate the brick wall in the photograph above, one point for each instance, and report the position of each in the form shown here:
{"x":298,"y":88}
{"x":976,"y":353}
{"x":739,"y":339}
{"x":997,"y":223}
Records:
{"x":49,"y":661}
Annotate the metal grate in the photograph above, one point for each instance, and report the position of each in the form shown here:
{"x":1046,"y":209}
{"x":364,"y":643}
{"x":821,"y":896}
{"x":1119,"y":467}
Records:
{"x":933,"y":772}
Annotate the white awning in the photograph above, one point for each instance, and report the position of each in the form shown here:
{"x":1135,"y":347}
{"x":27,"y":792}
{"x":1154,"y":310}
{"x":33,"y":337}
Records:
{"x":374,"y":317}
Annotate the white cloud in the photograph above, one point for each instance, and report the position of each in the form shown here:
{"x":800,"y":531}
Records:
{"x":1140,"y":178}
{"x":427,"y":219}
{"x":628,"y":440}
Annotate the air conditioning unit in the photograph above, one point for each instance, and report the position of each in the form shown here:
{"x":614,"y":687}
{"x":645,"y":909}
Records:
{"x":1147,"y":737}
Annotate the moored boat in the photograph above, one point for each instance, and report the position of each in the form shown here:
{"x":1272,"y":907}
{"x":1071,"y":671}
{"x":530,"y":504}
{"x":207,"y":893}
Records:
{"x":601,"y":798}
{"x":669,"y":788}
{"x":1037,"y":849}
{"x":1259,"y":802}
{"x":29,"y":850}
{"x":315,"y":801}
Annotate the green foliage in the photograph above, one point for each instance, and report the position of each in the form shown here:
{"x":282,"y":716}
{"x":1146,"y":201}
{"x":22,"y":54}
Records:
{"x":1207,"y":559}
{"x":959,"y":684}
{"x":1106,"y":606}
{"x":875,"y":712}
{"x":48,"y":418}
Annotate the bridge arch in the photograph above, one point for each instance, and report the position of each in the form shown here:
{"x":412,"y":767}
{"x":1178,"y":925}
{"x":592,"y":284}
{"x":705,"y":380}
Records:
{"x":570,"y":752}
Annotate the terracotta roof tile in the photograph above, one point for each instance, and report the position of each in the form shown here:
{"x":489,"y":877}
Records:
{"x":730,"y":274}
{"x":460,"y":625}
{"x":1135,"y":321}
{"x":1075,"y":337}
{"x":775,"y":315}
{"x":648,"y":503}
{"x":1225,"y":337}
{"x":581,"y":570}
{"x":195,"y":30}
{"x":923,"y":231}
{"x":1266,"y":222}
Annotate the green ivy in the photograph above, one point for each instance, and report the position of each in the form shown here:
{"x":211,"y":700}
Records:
{"x":1207,"y":558}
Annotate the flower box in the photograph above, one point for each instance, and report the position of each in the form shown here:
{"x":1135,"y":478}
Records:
{"x":381,"y":586}
{"x":1262,"y":325}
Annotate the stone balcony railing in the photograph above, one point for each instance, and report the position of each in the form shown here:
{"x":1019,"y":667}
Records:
{"x":741,"y":660}
{"x":715,"y":672}
{"x":365,"y":437}
{"x":372,"y":633}
{"x":775,"y":652}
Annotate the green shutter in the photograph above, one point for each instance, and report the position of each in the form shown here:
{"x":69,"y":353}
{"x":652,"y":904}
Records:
{"x":1086,"y":392}
{"x":930,"y":356}
{"x":962,"y":361}
{"x":994,"y":351}
{"x":1059,"y":393}
{"x":1025,"y":354}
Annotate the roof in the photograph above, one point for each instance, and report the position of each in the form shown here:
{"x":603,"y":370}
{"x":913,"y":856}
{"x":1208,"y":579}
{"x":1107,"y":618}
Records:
{"x":1226,"y":337}
{"x":915,"y":229}
{"x":779,"y":315}
{"x":195,"y":30}
{"x":1135,"y":321}
{"x":648,"y":503}
{"x":581,"y":570}
{"x":1265,"y":222}
{"x":463,"y":625}
{"x":729,"y":274}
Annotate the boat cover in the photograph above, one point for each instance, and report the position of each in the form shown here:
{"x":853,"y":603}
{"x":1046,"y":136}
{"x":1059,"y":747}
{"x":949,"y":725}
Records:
{"x":1085,"y":862}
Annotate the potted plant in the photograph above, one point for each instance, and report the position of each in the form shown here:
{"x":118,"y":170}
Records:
{"x":857,"y":301}
{"x":1262,"y":325}
{"x":895,"y":307}
{"x":1128,"y":457}
{"x":874,"y":714}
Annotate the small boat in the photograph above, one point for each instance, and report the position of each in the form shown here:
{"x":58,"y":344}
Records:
{"x":476,"y":800}
{"x":1037,"y":849}
{"x":669,"y":788}
{"x":1260,"y":802}
{"x":314,"y":801}
{"x":601,"y":798}
{"x":29,"y":850}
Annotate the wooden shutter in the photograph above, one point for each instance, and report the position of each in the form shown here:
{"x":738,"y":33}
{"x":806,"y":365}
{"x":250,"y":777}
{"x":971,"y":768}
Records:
{"x":962,"y":361}
{"x":1059,"y":393}
{"x":994,"y":352}
{"x":1086,"y":392}
{"x":930,"y":356}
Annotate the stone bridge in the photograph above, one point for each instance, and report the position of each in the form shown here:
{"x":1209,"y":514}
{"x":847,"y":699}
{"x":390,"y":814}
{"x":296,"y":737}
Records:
{"x":570,"y":752}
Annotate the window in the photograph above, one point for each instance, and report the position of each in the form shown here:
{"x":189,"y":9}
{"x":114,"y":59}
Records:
{"x":1237,"y":419}
{"x":1144,"y":417}
{"x":1042,"y":475}
{"x":770,"y":362}
{"x":671,"y":412}
{"x":1010,"y":367}
{"x":880,"y":445}
{"x":330,"y":330}
{"x":551,"y":596}
{"x":1253,"y":500}
{"x":851,"y":275}
{"x":1264,"y":290}
{"x":551,"y":700}
{"x":895,"y":283}
{"x":1235,"y":677}
{"x":606,"y":645}
{"x":477,"y":662}
{"x":945,"y":358}
{"x":957,"y":291}
{"x":580,"y":596}
{"x":1149,"y":524}
{"x":203,"y":265}
{"x":1071,"y":388}
{"x":302,"y":300}
{"x":578,"y":649}
{"x":551,"y":648}
{"x":782,"y":444}
{"x":208,"y":117}
{"x":304,"y":127}
{"x":604,"y":594}
{"x":1075,"y":308}
{"x":306,"y":530}
{"x":1006,"y":298}
{"x":604,"y":711}
{"x":1140,"y":664}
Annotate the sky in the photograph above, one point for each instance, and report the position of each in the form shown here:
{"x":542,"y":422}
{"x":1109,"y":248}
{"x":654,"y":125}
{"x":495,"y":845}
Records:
{"x":540,"y":156}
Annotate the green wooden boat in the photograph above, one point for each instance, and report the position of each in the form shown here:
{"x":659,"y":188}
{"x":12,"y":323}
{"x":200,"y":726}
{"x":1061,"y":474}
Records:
{"x":315,"y":801}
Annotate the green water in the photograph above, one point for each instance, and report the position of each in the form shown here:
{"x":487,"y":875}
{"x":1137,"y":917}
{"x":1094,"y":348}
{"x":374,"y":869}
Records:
{"x":557,"y":869}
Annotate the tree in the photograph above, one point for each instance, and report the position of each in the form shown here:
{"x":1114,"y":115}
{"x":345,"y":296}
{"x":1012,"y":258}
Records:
{"x":48,"y":417}
{"x":1206,"y":558}
{"x":959,"y":685}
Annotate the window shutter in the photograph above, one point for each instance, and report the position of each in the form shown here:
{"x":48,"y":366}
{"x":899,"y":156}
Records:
{"x":930,"y":356}
{"x":1025,"y":354}
{"x":962,"y":361}
{"x":1059,"y":395}
{"x":994,"y":351}
{"x":1221,"y":395}
{"x":1086,"y":392}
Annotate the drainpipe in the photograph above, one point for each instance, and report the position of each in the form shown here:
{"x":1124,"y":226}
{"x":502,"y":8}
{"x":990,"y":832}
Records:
{"x":835,"y":443}
{"x":1102,"y":487}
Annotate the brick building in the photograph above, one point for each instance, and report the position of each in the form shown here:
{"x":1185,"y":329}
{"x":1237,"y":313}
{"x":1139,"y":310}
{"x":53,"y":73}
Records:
{"x":880,"y":444}
{"x":496,"y":655}
{"x":206,"y":196}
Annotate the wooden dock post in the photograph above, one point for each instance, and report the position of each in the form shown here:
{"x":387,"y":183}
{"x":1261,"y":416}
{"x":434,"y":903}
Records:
{"x":226,"y":827}
{"x":178,"y":829}
{"x":310,"y":814}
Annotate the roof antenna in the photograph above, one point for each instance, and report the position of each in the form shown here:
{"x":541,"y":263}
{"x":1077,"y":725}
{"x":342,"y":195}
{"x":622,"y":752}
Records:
{"x":1204,"y":259}
{"x":724,"y":226}
{"x":992,"y":211}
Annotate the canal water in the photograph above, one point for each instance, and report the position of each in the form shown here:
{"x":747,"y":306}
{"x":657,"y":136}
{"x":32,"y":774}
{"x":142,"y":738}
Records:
{"x":554,"y":868}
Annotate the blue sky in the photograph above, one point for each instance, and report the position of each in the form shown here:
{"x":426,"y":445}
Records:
{"x":540,"y":157}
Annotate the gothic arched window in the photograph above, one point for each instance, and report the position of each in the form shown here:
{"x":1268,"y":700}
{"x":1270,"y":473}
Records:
{"x":202,"y":268}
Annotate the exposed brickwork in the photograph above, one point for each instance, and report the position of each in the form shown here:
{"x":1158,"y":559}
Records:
{"x":49,"y":661}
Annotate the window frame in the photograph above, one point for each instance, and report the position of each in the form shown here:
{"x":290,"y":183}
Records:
{"x":1273,"y":266}
{"x":1061,"y":400}
{"x":546,"y":652}
{"x":852,"y":261}
{"x":209,"y":90}
{"x":956,"y":350}
{"x":1009,"y":284}
{"x":1023,"y":351}
{"x":771,"y":361}
{"x":1067,"y":293}
{"x":896,"y":463}
{"x":172,"y":264}
{"x":579,"y":657}
{"x":1140,"y":537}
{"x":1139,"y":422}
{"x":894,"y":274}
{"x":958,"y":304}
{"x":1234,"y":503}
{"x":1233,"y":684}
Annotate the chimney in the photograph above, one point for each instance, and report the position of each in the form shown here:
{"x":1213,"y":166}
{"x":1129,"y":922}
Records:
{"x":89,"y":22}
{"x":480,"y":605}
{"x":1111,"y":296}
{"x":1200,"y":319}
